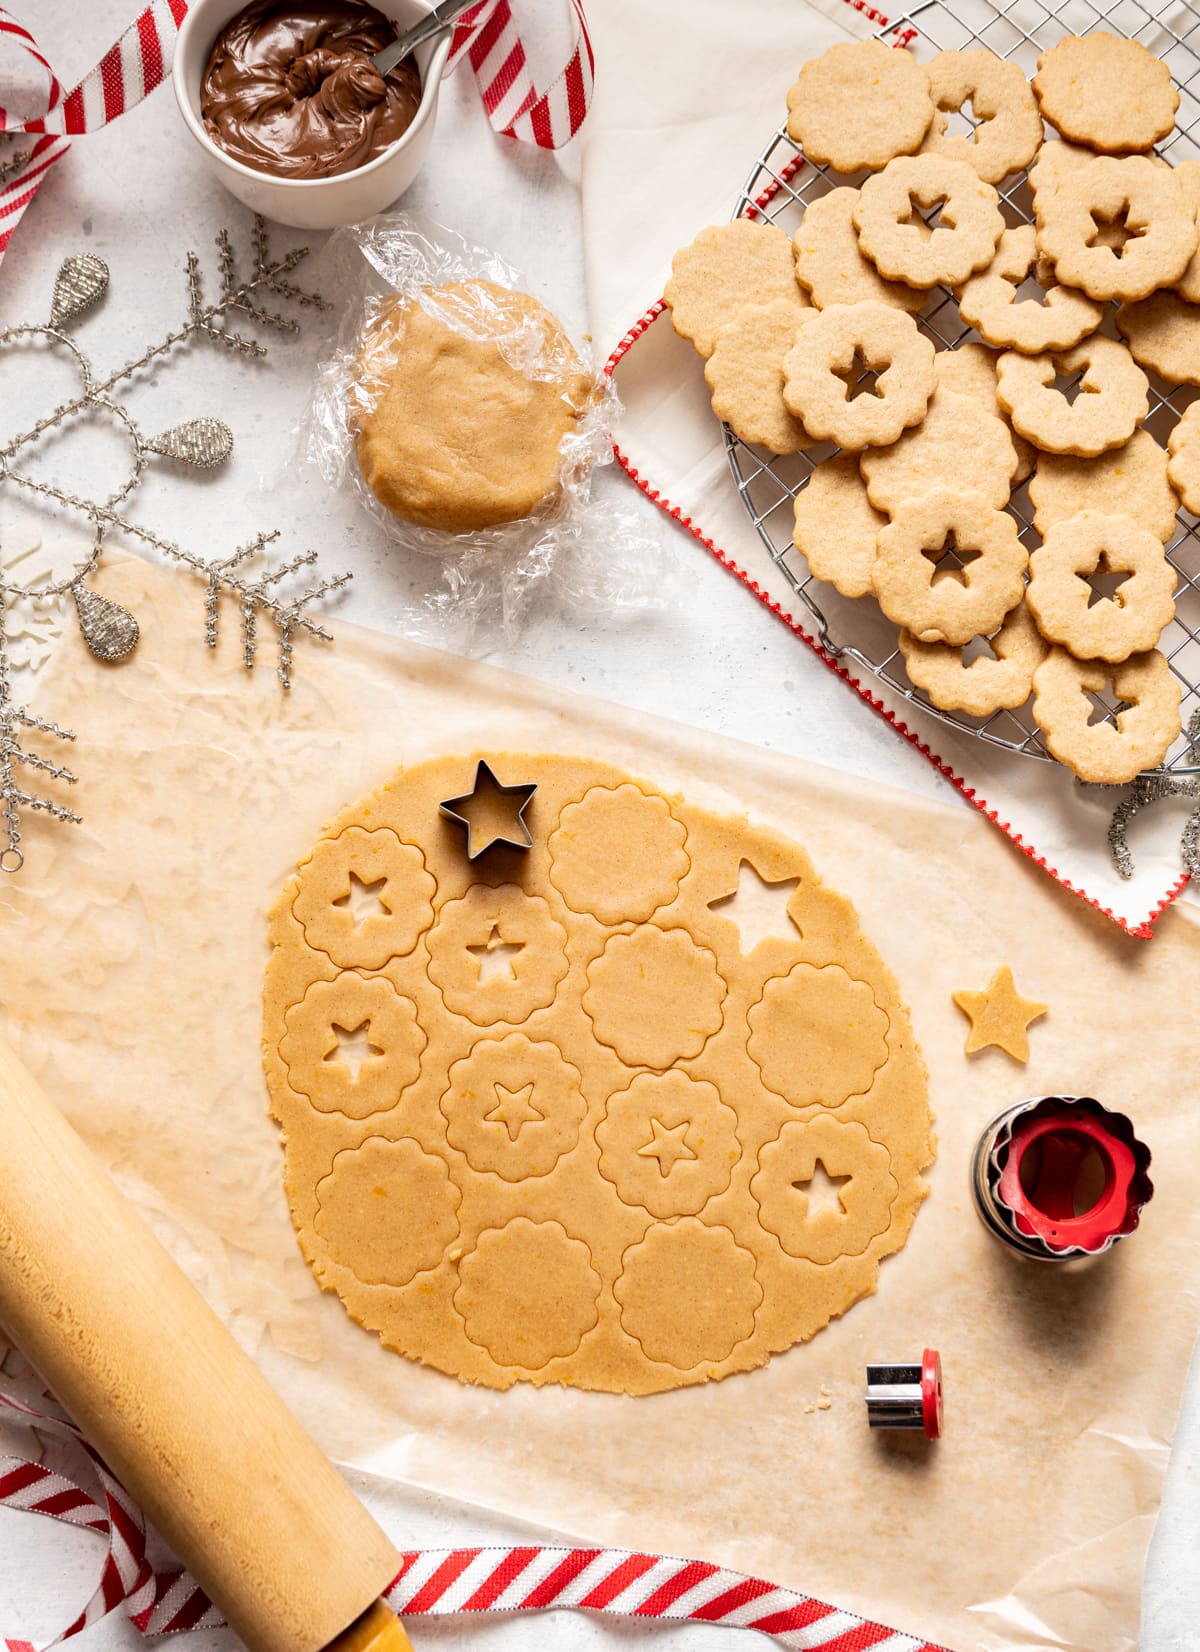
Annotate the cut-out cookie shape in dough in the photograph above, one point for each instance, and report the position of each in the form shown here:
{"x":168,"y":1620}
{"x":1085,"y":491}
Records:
{"x":625,"y":1135}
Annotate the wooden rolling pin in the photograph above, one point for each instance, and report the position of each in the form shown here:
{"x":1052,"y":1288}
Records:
{"x":253,"y":1508}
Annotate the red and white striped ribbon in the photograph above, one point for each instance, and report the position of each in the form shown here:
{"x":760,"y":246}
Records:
{"x":487,"y":36}
{"x":619,"y":1582}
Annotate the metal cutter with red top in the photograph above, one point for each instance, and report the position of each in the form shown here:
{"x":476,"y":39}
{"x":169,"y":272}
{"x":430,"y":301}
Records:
{"x":1060,"y":1177}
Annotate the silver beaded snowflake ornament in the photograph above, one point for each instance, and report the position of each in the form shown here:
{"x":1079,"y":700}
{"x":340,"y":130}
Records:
{"x":258,"y":587}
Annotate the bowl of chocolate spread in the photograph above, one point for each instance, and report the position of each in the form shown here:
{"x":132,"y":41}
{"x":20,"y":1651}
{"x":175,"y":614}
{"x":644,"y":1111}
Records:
{"x":282,"y":97}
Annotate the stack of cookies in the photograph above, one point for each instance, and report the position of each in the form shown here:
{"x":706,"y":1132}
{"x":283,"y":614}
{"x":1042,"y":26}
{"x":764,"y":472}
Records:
{"x":813,"y":340}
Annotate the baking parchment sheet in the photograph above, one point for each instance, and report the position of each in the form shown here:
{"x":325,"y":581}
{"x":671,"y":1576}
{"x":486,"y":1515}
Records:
{"x":132,"y":954}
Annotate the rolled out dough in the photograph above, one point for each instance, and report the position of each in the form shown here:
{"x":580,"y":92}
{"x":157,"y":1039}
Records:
{"x":566,"y":1116}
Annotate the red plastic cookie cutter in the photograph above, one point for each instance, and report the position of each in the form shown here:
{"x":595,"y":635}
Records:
{"x":1060,"y":1177}
{"x":907,"y":1396}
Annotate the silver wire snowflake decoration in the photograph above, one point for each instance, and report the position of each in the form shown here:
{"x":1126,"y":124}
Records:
{"x":258,"y":587}
{"x":1152,"y":788}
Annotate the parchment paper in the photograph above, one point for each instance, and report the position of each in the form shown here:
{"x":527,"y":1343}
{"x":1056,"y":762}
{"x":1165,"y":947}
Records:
{"x":132,"y":955}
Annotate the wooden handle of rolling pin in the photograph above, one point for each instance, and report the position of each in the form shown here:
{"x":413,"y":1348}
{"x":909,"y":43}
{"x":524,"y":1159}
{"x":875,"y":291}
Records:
{"x":247,"y":1501}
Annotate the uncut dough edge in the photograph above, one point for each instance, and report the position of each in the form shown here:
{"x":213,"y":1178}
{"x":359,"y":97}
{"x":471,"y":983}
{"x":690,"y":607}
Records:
{"x":417,"y":1319}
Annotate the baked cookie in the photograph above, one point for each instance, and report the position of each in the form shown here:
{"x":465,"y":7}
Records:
{"x":1147,"y":200}
{"x":829,"y":265}
{"x":936,"y":604}
{"x":449,"y":434}
{"x":1187,"y":176}
{"x":1163,"y":334}
{"x":859,"y":104}
{"x":971,"y":371}
{"x":999,"y":680}
{"x":818,"y":368}
{"x":1126,"y":481}
{"x":745,"y":375}
{"x":836,"y":526}
{"x":988,"y":302}
{"x":1099,"y":752}
{"x":1107,"y":92}
{"x":1113,"y":396}
{"x":1055,"y":162}
{"x":725,"y":268}
{"x":1183,"y":467}
{"x":1009,"y":124}
{"x":1063,"y":603}
{"x":903,"y":250}
{"x":961,"y":437}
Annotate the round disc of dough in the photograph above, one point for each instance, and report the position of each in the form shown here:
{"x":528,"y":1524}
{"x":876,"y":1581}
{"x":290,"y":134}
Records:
{"x":462,"y":398}
{"x":592,"y":1121}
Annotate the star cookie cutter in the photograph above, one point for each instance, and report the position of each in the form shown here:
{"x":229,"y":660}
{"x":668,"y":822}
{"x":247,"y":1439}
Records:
{"x":1059,"y":1177}
{"x":516,"y":835}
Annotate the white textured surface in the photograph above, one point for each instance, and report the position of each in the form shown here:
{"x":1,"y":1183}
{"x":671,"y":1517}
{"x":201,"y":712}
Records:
{"x":140,"y":195}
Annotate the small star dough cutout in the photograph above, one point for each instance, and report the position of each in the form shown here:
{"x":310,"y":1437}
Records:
{"x":999,"y":1015}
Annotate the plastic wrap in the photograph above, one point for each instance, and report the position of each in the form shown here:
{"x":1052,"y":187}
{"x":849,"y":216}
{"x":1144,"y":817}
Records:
{"x":585,"y":553}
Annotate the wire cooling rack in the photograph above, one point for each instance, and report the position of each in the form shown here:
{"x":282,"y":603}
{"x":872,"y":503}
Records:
{"x":782,"y":182}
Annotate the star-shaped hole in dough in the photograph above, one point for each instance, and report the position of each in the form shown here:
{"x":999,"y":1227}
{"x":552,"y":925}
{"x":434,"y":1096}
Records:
{"x":823,"y":1192}
{"x":999,"y":1015}
{"x":491,"y":812}
{"x":758,"y":908}
{"x":514,"y":1109}
{"x":353,"y":1047}
{"x":668,"y":1146}
{"x":363,"y":900}
{"x":496,"y":957}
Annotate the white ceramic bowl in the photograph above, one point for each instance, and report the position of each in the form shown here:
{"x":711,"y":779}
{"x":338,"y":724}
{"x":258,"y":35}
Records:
{"x":310,"y":203}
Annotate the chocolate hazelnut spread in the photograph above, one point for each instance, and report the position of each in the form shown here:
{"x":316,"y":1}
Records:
{"x":290,"y":88}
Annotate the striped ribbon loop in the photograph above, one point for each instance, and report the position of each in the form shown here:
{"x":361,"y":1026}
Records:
{"x":487,"y":36}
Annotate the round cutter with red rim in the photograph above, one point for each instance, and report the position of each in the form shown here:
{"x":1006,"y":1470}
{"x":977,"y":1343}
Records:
{"x":1060,"y":1177}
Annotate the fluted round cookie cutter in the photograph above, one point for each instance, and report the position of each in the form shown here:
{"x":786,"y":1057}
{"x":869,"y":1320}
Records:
{"x":852,"y":631}
{"x":1060,"y":1177}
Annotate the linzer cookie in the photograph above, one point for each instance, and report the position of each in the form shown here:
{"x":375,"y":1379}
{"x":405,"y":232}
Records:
{"x":1064,"y":604}
{"x":836,"y":526}
{"x":998,"y":679}
{"x":1148,"y":722}
{"x":1106,"y":92}
{"x":582,"y":1144}
{"x":960,"y":605}
{"x":727,"y":267}
{"x":1163,"y":334}
{"x":829,"y":265}
{"x":1126,"y":481}
{"x":903,"y":250}
{"x":1187,"y":176}
{"x":1008,"y":126}
{"x":1184,"y":465}
{"x":959,"y":437}
{"x":1159,"y":226}
{"x":1113,"y":396}
{"x":971,"y":371}
{"x":824,"y":357}
{"x":988,"y":302}
{"x":745,"y":375}
{"x":858,"y":105}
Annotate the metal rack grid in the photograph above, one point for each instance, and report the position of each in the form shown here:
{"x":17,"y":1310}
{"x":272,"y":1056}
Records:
{"x":782,"y":182}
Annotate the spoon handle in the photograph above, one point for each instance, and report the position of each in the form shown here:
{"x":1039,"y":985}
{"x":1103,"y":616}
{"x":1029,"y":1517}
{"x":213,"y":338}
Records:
{"x":441,"y":17}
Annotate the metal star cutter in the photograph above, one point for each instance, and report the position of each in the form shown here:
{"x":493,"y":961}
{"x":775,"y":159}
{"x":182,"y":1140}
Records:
{"x":513,"y":801}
